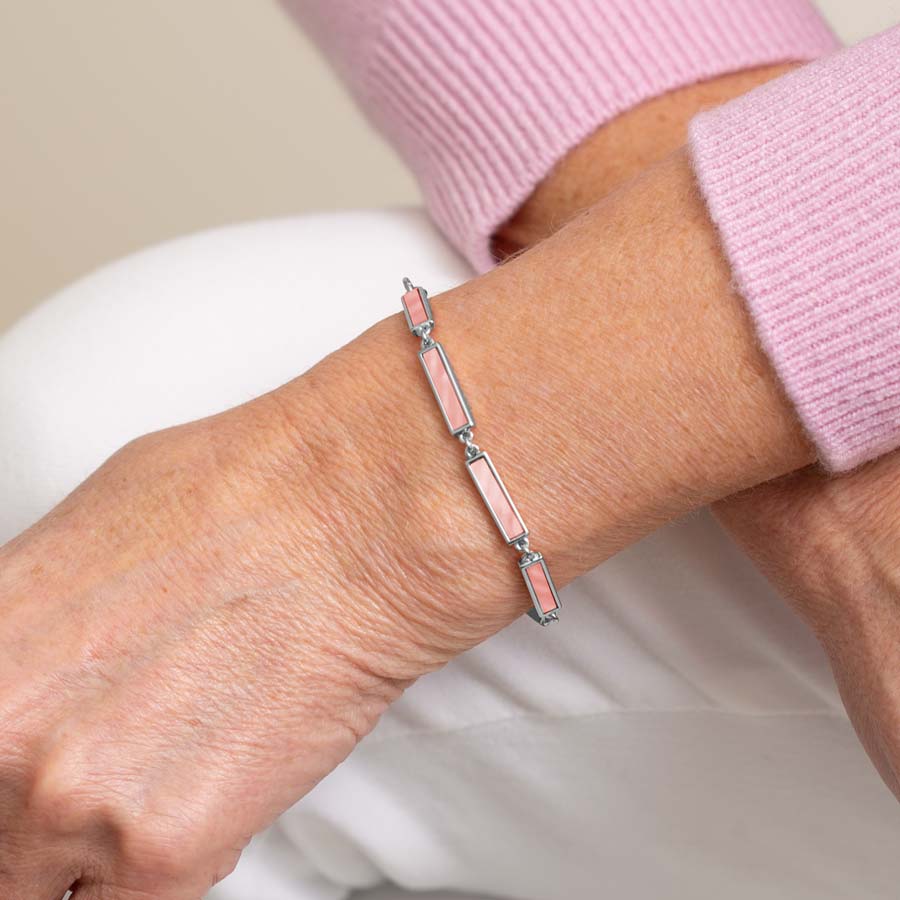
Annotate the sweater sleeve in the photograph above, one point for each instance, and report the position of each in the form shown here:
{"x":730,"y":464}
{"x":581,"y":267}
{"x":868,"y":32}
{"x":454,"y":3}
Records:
{"x":802,"y":178}
{"x":483,"y":97}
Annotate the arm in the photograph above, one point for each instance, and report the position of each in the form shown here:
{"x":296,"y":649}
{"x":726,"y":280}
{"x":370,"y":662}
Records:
{"x":483,"y":138}
{"x":829,"y":544}
{"x":484,"y":104}
{"x":212,"y":621}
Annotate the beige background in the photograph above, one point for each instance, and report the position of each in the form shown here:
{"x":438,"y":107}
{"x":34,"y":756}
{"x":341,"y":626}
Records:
{"x":124,"y":124}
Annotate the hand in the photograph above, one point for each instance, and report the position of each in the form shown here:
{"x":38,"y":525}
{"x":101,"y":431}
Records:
{"x":832,"y":546}
{"x":188,"y":646}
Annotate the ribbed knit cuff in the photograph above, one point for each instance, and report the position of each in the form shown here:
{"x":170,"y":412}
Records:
{"x":802,"y":177}
{"x":484,"y":97}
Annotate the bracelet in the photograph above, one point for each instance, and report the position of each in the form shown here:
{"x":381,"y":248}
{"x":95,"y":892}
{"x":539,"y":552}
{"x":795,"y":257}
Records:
{"x":458,"y":416}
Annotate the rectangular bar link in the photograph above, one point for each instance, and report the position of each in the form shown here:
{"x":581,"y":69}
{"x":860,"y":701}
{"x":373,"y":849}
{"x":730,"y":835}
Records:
{"x":446,"y":389}
{"x":541,"y":589}
{"x":496,"y":498}
{"x":416,"y":308}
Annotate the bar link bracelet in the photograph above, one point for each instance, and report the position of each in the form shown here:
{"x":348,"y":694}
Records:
{"x":460,"y":422}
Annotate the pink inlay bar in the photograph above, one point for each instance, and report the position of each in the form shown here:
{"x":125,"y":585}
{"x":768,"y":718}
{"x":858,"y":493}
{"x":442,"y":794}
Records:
{"x":446,"y":391}
{"x":497,"y":499}
{"x":539,"y":580}
{"x":415,"y":308}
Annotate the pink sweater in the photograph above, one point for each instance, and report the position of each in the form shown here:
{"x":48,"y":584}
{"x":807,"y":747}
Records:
{"x":802,"y":177}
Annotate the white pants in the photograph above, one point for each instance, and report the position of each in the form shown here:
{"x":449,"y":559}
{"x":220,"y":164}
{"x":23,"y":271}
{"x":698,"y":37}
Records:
{"x":678,"y":735}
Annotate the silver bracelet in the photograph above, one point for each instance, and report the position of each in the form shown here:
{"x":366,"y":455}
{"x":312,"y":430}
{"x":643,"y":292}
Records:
{"x":458,"y":416}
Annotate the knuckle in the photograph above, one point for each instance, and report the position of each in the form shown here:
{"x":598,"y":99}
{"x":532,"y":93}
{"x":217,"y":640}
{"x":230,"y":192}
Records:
{"x":66,"y":800}
{"x":61,"y":800}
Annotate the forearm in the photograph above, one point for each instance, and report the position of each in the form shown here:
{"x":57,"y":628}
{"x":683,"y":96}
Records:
{"x":614,"y":377}
{"x":828,"y":544}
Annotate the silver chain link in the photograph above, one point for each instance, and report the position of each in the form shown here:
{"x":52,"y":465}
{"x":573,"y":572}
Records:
{"x":528,"y":555}
{"x":424,"y":332}
{"x":472,"y":449}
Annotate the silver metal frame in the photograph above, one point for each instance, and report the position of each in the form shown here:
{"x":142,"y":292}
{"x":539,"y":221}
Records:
{"x":470,"y":421}
{"x":429,"y":323}
{"x":483,"y":455}
{"x":542,"y":618}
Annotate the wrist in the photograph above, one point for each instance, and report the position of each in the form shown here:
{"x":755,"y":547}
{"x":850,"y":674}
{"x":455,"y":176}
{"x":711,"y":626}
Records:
{"x":425,"y":577}
{"x":613,"y":394}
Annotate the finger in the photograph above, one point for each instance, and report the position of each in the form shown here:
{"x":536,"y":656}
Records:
{"x":32,"y":886}
{"x":145,"y":885}
{"x":97,"y":891}
{"x":148,"y":889}
{"x":31,"y":869}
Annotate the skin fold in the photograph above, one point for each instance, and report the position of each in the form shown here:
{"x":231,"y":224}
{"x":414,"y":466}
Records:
{"x":210,"y":623}
{"x":830,"y":545}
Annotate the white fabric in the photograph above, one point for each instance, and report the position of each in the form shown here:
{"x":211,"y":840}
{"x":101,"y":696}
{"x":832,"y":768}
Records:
{"x":678,"y":735}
